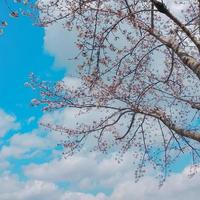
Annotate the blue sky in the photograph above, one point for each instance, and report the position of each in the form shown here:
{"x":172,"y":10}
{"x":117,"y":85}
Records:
{"x":22,"y":53}
{"x":31,"y":166}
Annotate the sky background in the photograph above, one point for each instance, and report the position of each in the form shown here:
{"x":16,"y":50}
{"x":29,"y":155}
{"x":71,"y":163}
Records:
{"x":31,"y":163}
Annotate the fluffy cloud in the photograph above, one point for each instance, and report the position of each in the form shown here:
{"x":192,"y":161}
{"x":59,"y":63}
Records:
{"x":26,"y":145}
{"x":60,"y":43}
{"x":70,"y":116}
{"x":177,"y":187}
{"x":87,"y":171}
{"x":72,"y":82}
{"x":7,"y":123}
{"x":82,"y":196}
{"x":12,"y":188}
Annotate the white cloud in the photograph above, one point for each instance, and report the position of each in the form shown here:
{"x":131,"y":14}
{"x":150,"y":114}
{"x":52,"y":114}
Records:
{"x":177,"y":187}
{"x":12,"y":188}
{"x":7,"y":123}
{"x":60,"y":43}
{"x":82,"y":196}
{"x":69,"y":117}
{"x":88,"y":171}
{"x":72,"y":82}
{"x":21,"y":145}
{"x":66,"y":169}
{"x":88,"y":174}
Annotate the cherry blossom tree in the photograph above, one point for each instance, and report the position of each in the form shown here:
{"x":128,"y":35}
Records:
{"x":139,"y":66}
